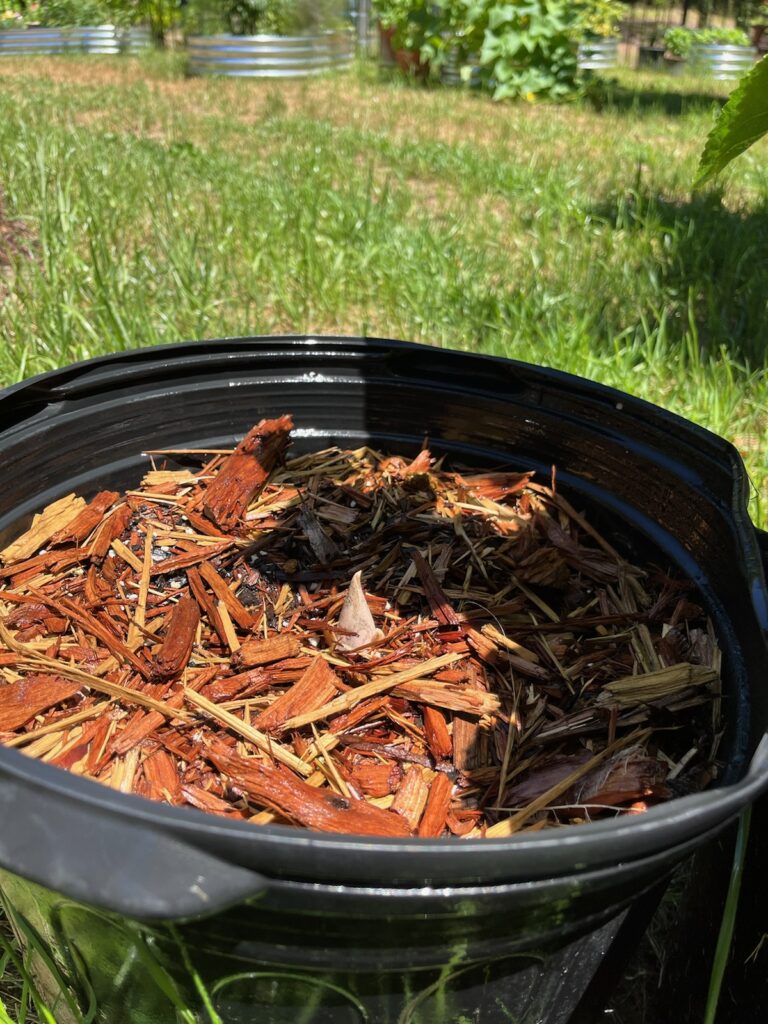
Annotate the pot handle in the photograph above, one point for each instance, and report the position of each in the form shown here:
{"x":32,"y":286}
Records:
{"x":92,"y":854}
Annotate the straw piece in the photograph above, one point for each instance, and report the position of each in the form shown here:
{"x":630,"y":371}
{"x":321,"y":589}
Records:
{"x":509,"y":826}
{"x":258,"y":739}
{"x":630,"y":691}
{"x":61,"y":725}
{"x":124,"y":552}
{"x":376,"y":686}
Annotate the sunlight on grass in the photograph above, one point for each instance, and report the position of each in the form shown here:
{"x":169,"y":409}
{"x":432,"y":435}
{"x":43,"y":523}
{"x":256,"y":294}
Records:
{"x":162,"y":209}
{"x":142,"y":208}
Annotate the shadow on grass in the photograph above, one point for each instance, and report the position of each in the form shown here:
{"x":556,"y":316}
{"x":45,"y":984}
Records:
{"x":710,"y":265}
{"x":674,"y":96}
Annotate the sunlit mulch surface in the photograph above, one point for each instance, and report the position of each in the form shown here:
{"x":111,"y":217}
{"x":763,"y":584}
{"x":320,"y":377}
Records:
{"x":353,"y":642}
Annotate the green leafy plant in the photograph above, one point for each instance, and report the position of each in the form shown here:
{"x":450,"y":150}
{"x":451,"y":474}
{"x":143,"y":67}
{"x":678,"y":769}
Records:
{"x":522,"y":48}
{"x":418,"y":25}
{"x":678,"y":41}
{"x":529,"y":49}
{"x":721,"y":36}
{"x":599,"y":19}
{"x":742,"y":121}
{"x":251,"y":17}
{"x":11,"y":14}
{"x":159,"y":14}
{"x":71,"y":12}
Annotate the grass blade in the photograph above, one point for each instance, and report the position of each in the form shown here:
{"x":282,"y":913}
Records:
{"x":725,"y":936}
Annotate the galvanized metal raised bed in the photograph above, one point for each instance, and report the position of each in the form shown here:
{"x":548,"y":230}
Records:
{"x":267,"y":56}
{"x":598,"y":54}
{"x":100,"y":40}
{"x":720,"y":60}
{"x":22,"y":41}
{"x":136,"y":39}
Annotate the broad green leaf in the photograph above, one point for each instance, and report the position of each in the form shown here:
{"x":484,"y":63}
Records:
{"x":742,"y":121}
{"x":499,"y":15}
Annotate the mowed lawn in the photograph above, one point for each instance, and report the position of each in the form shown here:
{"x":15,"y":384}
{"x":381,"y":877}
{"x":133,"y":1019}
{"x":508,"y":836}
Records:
{"x":138,"y":207}
{"x":146,"y":208}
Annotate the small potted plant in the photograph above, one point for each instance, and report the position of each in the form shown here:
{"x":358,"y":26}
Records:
{"x":677,"y":47}
{"x":406,"y":28}
{"x":651,"y":48}
{"x":267,"y":38}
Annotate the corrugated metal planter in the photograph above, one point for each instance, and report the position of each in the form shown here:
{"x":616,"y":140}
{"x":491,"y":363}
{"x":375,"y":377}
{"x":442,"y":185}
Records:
{"x":450,"y":72}
{"x":22,"y":41}
{"x":136,"y":39}
{"x":598,"y":54}
{"x":100,"y":40}
{"x":268,"y":56}
{"x":721,"y":60}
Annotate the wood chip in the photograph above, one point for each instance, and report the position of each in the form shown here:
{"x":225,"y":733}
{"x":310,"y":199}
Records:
{"x":55,"y":517}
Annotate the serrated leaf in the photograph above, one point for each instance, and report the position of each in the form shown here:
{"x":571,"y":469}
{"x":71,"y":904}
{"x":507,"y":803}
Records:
{"x":742,"y":121}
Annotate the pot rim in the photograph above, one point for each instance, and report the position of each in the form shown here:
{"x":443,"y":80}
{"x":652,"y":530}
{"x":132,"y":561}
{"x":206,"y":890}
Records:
{"x":527,"y":855}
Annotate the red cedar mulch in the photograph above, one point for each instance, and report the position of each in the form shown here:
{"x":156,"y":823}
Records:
{"x":354,"y":643}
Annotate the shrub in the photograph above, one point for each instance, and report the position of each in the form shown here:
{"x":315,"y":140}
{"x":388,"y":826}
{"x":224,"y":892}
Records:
{"x":72,"y":12}
{"x":529,"y":50}
{"x":523,"y":48}
{"x":419,"y":25}
{"x":724,"y":36}
{"x":251,"y":17}
{"x":60,"y":13}
{"x":599,"y":19}
{"x":678,"y":41}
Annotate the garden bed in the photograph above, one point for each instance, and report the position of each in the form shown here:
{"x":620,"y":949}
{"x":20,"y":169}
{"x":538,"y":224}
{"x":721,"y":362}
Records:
{"x":103,"y":40}
{"x":270,"y":56}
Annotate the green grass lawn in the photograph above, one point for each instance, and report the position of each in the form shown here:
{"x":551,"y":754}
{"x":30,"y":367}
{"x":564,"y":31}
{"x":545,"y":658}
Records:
{"x":158,"y":208}
{"x":138,"y":207}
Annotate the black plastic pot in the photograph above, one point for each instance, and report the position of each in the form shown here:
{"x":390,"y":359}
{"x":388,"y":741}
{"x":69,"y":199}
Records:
{"x":651,"y":57}
{"x":281,"y":924}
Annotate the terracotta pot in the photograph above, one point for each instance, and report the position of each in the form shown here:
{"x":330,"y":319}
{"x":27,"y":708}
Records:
{"x":408,"y":61}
